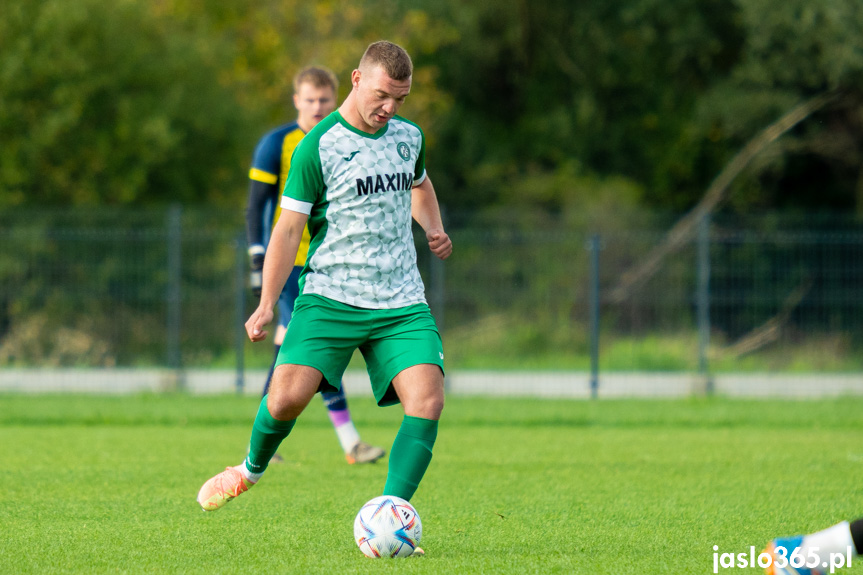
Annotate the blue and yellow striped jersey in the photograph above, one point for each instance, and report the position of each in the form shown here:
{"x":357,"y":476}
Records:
{"x":270,"y":165}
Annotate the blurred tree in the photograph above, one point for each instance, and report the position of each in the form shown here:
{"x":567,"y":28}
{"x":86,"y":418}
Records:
{"x":275,"y":38}
{"x":104,"y":103}
{"x":139,"y":102}
{"x":660,"y":93}
{"x":611,"y":84}
{"x":794,"y":49}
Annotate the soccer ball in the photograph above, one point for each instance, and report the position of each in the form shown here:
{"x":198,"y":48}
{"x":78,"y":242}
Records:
{"x":387,"y":526}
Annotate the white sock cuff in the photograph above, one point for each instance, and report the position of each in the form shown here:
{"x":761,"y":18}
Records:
{"x":348,"y":436}
{"x":253,"y":477}
{"x":836,"y":539}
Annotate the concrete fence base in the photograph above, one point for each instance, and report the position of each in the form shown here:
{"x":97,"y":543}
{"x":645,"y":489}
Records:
{"x":504,"y":383}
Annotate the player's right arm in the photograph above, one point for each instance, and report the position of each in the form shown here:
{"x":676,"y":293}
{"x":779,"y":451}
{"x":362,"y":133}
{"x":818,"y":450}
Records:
{"x":263,"y":195}
{"x":281,"y":253}
{"x":426,"y":211}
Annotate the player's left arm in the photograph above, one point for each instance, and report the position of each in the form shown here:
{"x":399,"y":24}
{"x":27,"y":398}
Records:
{"x":426,"y":211}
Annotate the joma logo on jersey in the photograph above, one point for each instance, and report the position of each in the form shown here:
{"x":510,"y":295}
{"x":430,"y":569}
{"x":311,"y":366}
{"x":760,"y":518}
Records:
{"x":384,"y":183}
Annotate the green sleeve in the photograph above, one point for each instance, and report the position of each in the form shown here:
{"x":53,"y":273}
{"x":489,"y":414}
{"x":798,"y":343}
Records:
{"x":421,"y":157}
{"x":305,"y":178}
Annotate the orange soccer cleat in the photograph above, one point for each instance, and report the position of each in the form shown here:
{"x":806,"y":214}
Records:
{"x":218,"y":490}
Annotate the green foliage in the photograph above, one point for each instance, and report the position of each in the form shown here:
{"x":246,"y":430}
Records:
{"x":105,"y":103}
{"x":560,"y":118}
{"x":611,"y":85}
{"x":274,"y":39}
{"x":792,"y":51}
{"x":800,"y":45}
{"x":141,"y":102}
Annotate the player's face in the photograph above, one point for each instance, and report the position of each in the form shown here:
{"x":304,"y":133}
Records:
{"x":378,"y":96}
{"x":313,"y":104}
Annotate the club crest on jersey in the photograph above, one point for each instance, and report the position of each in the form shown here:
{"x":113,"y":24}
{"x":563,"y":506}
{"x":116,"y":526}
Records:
{"x":404,"y":151}
{"x":384,"y":183}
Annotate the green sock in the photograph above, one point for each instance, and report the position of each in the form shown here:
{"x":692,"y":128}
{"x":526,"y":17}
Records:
{"x":267,"y":434}
{"x":410,"y":456}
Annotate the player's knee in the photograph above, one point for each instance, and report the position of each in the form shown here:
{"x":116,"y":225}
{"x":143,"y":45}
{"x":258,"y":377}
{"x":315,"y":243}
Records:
{"x":283,"y":406}
{"x":288,"y":396}
{"x":427,"y":406}
{"x":435,"y":408}
{"x":284,"y":402}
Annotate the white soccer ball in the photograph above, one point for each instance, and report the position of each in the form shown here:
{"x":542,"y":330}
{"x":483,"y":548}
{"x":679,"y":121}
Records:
{"x":387,"y":526}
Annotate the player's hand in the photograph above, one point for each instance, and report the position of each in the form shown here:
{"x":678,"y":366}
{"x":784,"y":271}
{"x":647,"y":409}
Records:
{"x":439,"y":243}
{"x":256,"y":323}
{"x":256,"y":274}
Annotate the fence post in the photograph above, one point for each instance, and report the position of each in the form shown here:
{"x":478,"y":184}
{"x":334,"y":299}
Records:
{"x":703,"y":303}
{"x":174,"y":294}
{"x":594,"y":247}
{"x":240,"y":308}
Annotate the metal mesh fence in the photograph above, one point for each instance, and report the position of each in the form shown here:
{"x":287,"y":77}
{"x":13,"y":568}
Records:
{"x":164,"y":290}
{"x":115,"y":288}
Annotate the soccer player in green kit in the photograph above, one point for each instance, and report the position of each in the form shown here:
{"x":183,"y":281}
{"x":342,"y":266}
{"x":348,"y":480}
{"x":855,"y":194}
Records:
{"x":358,"y":179}
{"x":314,"y":98}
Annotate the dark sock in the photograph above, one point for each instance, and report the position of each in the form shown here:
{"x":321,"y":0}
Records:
{"x":335,"y":400}
{"x":857,"y":535}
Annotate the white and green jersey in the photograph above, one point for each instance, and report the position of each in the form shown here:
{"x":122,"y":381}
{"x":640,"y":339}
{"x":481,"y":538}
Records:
{"x":356,"y":189}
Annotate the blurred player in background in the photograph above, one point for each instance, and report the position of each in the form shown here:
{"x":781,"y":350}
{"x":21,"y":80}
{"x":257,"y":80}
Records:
{"x":358,"y":180}
{"x":315,"y":91}
{"x":842,"y":540}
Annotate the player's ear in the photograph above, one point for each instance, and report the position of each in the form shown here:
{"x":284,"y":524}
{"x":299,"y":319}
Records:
{"x":296,"y":101}
{"x":355,"y":78}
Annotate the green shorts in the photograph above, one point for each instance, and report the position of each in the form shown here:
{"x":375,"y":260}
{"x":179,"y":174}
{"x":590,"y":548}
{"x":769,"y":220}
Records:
{"x":324,"y":333}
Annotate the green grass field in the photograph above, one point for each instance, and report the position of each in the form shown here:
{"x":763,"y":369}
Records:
{"x":108,"y":485}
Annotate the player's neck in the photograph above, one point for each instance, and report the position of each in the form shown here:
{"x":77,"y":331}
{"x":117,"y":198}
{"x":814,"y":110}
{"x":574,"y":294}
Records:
{"x":348,"y":111}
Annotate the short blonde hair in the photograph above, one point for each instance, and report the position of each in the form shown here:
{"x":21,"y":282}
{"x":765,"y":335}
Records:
{"x":317,"y":76}
{"x":393,"y":58}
